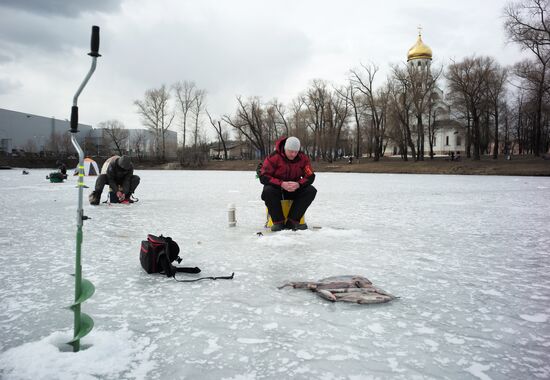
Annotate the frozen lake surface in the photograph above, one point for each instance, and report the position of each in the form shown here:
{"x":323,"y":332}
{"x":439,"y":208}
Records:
{"x":468,"y":255}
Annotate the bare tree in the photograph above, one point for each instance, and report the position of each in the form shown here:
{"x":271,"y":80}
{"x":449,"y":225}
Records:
{"x":219,"y":131}
{"x":91,"y":144}
{"x":364,"y":82}
{"x":138,"y":144}
{"x":197,"y":109}
{"x":271,"y":126}
{"x":526,"y":24}
{"x":53,"y":145}
{"x":461,"y":110}
{"x":357,"y":106}
{"x":116,"y":134}
{"x":281,"y":111}
{"x":423,"y":82}
{"x":400,"y":108}
{"x":338,"y":109}
{"x":298,"y":121}
{"x":469,"y":80}
{"x":325,"y":115}
{"x":185,"y":98}
{"x":507,"y":148}
{"x":315,"y":101}
{"x":30,"y":146}
{"x":495,"y":91}
{"x":156,"y":116}
{"x":249,"y":120}
{"x":65,"y":142}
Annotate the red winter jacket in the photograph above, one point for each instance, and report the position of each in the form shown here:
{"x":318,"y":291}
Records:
{"x":278,"y":168}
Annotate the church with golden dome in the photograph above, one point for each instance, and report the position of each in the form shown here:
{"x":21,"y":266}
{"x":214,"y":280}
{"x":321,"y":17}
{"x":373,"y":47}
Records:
{"x":419,"y":53}
{"x":448,"y":133}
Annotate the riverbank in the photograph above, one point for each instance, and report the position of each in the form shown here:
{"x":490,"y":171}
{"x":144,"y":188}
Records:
{"x":524,"y":166}
{"x":517,"y":166}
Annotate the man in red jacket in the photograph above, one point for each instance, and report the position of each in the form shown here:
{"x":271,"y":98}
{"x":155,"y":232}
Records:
{"x":287,"y":174}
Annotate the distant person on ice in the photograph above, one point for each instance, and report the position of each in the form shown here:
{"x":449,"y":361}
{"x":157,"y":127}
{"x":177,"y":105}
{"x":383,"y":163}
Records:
{"x":62,"y":168}
{"x":287,"y":174}
{"x":118,"y":173}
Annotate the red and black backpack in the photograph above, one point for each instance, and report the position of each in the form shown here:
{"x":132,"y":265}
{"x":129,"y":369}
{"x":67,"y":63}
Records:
{"x":157,"y":254}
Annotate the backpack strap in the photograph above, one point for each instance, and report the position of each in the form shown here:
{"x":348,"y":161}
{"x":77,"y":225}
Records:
{"x":164,"y":263}
{"x":173,"y":249}
{"x":208,"y":278}
{"x":187,"y":269}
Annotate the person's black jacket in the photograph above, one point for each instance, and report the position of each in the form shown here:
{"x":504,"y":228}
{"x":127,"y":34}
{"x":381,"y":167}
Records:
{"x":118,"y":176}
{"x":63,"y":169}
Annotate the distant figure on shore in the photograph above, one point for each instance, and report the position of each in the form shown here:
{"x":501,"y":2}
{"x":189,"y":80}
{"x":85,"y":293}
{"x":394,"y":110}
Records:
{"x":119,"y":175}
{"x":287,"y":174}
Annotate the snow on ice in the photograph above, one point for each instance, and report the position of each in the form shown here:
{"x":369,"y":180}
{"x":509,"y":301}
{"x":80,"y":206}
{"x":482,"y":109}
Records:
{"x":467,"y":255}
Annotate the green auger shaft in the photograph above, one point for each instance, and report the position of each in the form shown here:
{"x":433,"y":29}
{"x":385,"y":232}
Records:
{"x":84,"y":289}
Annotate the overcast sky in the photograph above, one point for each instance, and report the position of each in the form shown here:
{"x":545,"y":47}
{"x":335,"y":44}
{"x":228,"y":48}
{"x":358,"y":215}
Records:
{"x":271,"y":49}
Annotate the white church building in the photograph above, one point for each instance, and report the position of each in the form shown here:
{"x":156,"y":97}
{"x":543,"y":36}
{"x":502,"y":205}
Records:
{"x":449,"y":134}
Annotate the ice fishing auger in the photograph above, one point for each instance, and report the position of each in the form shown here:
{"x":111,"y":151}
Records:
{"x":83,"y":289}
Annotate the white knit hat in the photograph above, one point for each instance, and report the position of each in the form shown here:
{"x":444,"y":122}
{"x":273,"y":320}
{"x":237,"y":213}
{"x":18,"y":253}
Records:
{"x":292,"y":143}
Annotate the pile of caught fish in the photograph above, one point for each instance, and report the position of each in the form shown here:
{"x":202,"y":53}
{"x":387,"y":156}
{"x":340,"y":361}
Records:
{"x":356,"y":289}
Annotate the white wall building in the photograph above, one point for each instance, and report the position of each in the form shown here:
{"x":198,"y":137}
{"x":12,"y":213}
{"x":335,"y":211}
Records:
{"x":20,"y":131}
{"x":450,"y":135}
{"x":24,"y":132}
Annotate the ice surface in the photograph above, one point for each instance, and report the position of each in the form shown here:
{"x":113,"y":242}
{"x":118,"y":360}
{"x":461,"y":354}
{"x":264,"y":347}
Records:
{"x":113,"y":355}
{"x":468,"y":255}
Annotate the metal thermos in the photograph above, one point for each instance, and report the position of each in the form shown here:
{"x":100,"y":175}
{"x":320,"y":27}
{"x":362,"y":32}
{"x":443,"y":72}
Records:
{"x":231,"y":215}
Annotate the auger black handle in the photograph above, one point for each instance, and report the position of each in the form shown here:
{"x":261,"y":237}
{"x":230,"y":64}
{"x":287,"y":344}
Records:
{"x":74,"y":119}
{"x":95,"y":42}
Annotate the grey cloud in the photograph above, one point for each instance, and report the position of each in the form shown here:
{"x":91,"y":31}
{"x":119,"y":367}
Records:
{"x":5,"y":58}
{"x":62,"y":7}
{"x":212,"y":56}
{"x":21,"y":33}
{"x":8,"y":85}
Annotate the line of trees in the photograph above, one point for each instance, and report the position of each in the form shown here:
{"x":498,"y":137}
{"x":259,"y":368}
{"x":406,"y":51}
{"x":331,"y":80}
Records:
{"x":503,"y":109}
{"x":527,"y":24}
{"x":57,"y":144}
{"x":182,"y":104}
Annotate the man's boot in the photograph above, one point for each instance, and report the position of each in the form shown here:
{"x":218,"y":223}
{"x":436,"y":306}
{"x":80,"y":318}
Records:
{"x":277,"y":227}
{"x":294,"y":226}
{"x":128,"y":198}
{"x":94,"y":198}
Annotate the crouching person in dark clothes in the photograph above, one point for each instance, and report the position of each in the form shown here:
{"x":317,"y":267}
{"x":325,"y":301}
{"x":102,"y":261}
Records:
{"x":62,"y":169}
{"x":118,"y":173}
{"x":287,"y":174}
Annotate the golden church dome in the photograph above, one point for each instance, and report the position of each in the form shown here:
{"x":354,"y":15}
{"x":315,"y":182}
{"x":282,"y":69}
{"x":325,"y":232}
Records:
{"x":419,"y":50}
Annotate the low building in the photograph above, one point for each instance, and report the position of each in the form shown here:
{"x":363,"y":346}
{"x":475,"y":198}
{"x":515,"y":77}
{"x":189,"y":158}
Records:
{"x":22,"y":132}
{"x":236,"y":150}
{"x":29,"y":134}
